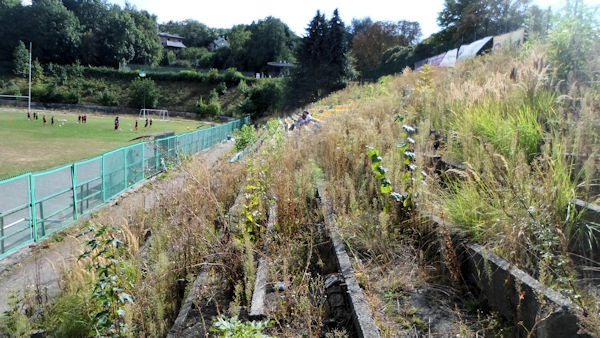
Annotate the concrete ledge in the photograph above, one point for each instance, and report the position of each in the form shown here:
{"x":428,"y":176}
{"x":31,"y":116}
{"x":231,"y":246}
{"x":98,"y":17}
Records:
{"x":257,"y":308}
{"x":362,"y":315}
{"x":182,"y":317}
{"x":517,"y":296}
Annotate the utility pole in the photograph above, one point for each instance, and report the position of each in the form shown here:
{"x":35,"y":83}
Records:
{"x":29,"y":97}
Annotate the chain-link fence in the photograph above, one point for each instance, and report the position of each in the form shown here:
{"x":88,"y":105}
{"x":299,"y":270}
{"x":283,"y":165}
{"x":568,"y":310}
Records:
{"x":35,"y":205}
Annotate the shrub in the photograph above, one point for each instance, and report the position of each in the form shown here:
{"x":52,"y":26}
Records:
{"x":213,"y":75}
{"x":221,"y":88}
{"x":231,"y":76}
{"x":143,"y":93}
{"x":246,"y":136}
{"x":21,"y":60}
{"x":108,"y":98}
{"x":262,"y":98}
{"x":212,"y":108}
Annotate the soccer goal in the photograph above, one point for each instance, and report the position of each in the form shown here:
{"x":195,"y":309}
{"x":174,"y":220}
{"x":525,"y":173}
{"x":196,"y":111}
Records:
{"x":162,"y":114}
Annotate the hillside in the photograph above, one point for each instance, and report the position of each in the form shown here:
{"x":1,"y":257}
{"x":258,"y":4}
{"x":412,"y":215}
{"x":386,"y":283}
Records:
{"x":492,"y":152}
{"x":176,"y":91}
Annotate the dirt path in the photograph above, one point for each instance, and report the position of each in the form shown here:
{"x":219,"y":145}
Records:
{"x":39,"y":267}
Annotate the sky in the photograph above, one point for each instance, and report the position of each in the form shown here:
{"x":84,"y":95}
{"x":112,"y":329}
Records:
{"x":297,"y":14}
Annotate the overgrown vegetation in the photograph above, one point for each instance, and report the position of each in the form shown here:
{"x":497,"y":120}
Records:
{"x":517,"y":132}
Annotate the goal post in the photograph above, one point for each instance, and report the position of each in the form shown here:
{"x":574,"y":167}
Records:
{"x":162,"y":114}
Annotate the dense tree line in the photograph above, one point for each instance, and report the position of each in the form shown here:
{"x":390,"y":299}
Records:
{"x":91,"y":31}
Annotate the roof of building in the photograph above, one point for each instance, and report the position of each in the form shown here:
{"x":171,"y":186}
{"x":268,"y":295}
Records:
{"x":175,"y":44}
{"x":169,"y":35}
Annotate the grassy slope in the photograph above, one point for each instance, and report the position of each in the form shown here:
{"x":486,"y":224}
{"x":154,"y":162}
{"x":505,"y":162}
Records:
{"x":31,"y":146}
{"x":178,"y":96}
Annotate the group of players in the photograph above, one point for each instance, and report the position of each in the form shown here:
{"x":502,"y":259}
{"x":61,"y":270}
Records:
{"x":136,"y":123}
{"x":83,"y":119}
{"x":36,"y":117}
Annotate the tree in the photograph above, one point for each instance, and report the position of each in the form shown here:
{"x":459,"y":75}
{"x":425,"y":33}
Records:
{"x":238,"y":37}
{"x":573,"y":38}
{"x":321,"y":61}
{"x":271,"y":40}
{"x":537,"y":21}
{"x":336,"y":42}
{"x":21,"y":60}
{"x":53,"y":29}
{"x":358,"y":26}
{"x":146,"y":44}
{"x":369,"y":45}
{"x":143,"y":93}
{"x":470,"y":20}
{"x":37,"y":71}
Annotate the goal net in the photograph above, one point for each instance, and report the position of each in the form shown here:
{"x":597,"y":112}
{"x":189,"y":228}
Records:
{"x":162,"y":114}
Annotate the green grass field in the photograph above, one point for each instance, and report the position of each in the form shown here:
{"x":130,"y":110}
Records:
{"x":32,"y":146}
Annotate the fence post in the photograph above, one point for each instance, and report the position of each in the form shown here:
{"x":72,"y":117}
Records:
{"x":74,"y":185}
{"x":143,"y":160}
{"x":156,"y":155}
{"x":103,"y":181}
{"x":32,"y":201}
{"x":2,"y":234}
{"x":125,"y":167}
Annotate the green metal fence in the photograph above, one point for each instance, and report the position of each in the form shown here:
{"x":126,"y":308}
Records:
{"x":35,"y":205}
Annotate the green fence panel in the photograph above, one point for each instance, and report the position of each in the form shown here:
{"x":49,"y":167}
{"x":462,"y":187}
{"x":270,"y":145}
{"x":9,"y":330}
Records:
{"x":15,"y":213}
{"x":114,"y":173}
{"x":135,"y":164}
{"x":53,"y":200}
{"x":88,"y":185}
{"x":151,"y":167}
{"x":33,"y":206}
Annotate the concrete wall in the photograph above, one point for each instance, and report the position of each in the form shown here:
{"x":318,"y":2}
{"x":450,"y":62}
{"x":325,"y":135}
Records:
{"x":518,"y":296}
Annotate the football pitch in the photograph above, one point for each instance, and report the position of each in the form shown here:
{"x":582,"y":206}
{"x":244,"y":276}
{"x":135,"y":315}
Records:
{"x":29,"y":145}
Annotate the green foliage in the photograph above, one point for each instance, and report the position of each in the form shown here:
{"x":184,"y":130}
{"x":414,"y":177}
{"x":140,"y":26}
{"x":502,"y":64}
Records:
{"x":321,"y":59}
{"x":104,"y":250}
{"x":474,"y":19}
{"x":574,"y":38}
{"x":269,"y":40}
{"x":54,"y":94}
{"x":210,"y":109}
{"x":246,"y":136}
{"x":108,"y":98}
{"x":69,"y":317}
{"x":234,"y":328}
{"x":213,"y":75}
{"x":21,"y":60}
{"x":37,"y":71}
{"x":168,"y":57}
{"x":409,"y":177}
{"x":231,"y":76}
{"x":262,"y":98}
{"x":143,"y":93}
{"x":221,"y":88}
{"x":369,"y":45}
{"x":511,"y":130}
{"x":14,"y":323}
